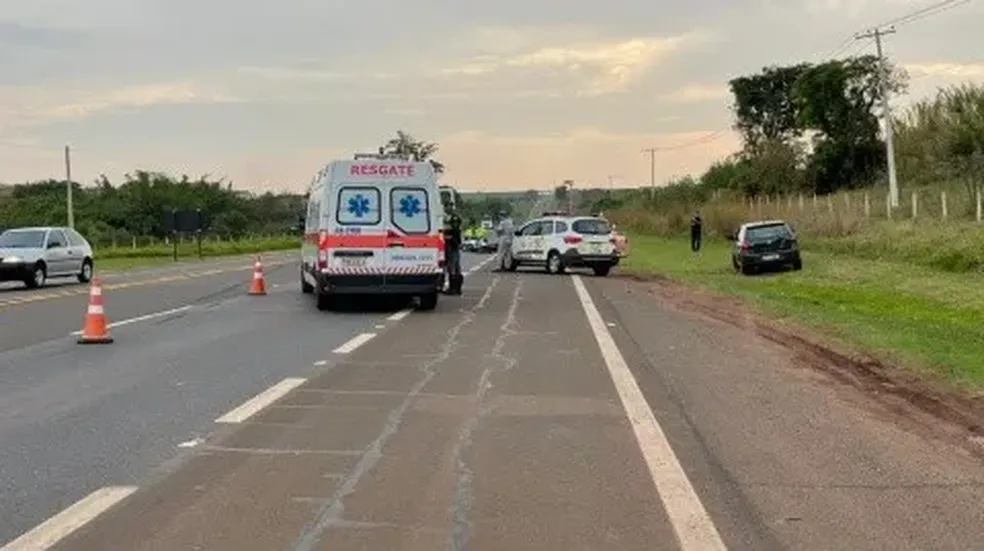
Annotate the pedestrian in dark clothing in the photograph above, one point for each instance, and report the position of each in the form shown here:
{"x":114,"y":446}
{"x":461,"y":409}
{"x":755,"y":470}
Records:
{"x":452,"y":243}
{"x":696,"y":232}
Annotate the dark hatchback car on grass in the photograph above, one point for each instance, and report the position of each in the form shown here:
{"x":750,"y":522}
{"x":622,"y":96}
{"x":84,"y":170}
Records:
{"x":765,"y":245}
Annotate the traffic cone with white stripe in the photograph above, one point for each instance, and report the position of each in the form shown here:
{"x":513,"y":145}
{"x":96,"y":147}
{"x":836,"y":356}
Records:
{"x":95,"y":329}
{"x":258,"y":286}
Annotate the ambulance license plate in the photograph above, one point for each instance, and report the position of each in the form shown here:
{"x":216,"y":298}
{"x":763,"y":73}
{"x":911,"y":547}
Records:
{"x":353,"y":262}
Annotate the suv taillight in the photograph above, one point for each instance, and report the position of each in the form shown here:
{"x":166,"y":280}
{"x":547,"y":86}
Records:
{"x":746,"y":247}
{"x":572,"y":239}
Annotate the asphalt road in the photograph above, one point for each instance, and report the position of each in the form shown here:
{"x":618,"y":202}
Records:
{"x":76,"y":418}
{"x":535,"y":412}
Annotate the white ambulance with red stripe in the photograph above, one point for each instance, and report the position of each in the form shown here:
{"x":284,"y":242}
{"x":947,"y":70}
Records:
{"x":374,"y":226}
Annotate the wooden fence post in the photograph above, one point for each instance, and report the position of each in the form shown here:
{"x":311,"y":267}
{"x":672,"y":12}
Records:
{"x":980,"y":211}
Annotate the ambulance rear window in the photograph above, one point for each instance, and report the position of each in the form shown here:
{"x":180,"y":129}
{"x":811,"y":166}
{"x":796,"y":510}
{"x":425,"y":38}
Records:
{"x":410,"y":209}
{"x":358,"y":206}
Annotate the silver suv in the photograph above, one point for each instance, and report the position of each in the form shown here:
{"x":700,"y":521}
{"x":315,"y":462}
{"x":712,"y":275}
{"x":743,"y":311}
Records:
{"x":33,"y":255}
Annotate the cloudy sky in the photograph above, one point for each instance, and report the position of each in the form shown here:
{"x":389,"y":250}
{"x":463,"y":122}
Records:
{"x":519,"y":93}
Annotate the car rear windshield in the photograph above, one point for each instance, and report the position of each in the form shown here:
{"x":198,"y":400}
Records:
{"x":760,"y":234}
{"x":591,"y":226}
{"x":22,"y":239}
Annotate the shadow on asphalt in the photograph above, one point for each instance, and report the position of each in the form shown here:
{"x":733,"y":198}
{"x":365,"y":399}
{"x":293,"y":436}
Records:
{"x":370,"y":304}
{"x":17,"y":287}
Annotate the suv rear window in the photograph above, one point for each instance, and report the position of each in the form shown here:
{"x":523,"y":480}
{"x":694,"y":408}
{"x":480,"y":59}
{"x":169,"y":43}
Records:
{"x":591,"y":226}
{"x":759,"y":234}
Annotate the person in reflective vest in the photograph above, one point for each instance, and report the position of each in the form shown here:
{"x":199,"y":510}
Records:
{"x":452,"y":254}
{"x":506,"y":233}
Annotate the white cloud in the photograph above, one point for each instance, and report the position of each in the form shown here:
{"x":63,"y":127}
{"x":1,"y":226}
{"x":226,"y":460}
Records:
{"x":697,"y":93}
{"x":605,"y":66}
{"x":588,"y":67}
{"x":946,"y":70}
{"x":29,"y":106}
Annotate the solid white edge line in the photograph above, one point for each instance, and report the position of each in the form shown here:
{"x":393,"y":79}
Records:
{"x":354,"y":343}
{"x":692,"y":524}
{"x":253,"y":406}
{"x":58,"y":527}
{"x":144,"y":318}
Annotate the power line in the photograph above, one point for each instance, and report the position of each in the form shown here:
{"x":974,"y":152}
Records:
{"x":851,"y":42}
{"x":923,"y":13}
{"x":710,"y":137}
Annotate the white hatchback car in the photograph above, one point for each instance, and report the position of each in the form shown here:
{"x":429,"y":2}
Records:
{"x":560,"y":242}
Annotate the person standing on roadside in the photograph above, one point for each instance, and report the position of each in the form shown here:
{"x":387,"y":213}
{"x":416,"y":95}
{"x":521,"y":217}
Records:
{"x":506,"y":231}
{"x":696,"y":232}
{"x":452,"y":242}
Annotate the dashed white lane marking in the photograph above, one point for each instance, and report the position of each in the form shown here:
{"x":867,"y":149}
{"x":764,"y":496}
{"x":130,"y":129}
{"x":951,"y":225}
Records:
{"x":354,"y":343}
{"x":478,"y":267}
{"x":146,"y":317}
{"x":55,"y":529}
{"x":399,"y":315}
{"x":191,"y":443}
{"x":252,"y":406}
{"x":693,"y":526}
{"x":320,"y":363}
{"x":404,"y":313}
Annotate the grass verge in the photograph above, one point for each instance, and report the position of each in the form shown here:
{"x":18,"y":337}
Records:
{"x":123,"y":258}
{"x":924,"y":319}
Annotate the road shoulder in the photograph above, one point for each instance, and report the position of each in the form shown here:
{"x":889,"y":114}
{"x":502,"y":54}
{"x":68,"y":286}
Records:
{"x":786,"y":456}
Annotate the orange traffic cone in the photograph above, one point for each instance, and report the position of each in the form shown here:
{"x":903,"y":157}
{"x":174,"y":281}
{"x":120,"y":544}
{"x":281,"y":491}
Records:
{"x":95,"y":329}
{"x":258,"y":286}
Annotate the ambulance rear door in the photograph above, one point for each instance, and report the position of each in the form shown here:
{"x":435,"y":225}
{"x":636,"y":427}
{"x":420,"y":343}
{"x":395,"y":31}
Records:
{"x":356,"y":240}
{"x":414,"y":229}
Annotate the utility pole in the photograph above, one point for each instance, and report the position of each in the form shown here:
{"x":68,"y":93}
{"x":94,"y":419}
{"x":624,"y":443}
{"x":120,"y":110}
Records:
{"x":652,"y":170}
{"x":893,"y":183}
{"x":569,"y":184}
{"x":68,"y":186}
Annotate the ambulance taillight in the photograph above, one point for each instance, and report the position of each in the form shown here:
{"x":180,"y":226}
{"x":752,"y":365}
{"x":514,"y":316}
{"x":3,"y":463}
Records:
{"x":323,"y":250}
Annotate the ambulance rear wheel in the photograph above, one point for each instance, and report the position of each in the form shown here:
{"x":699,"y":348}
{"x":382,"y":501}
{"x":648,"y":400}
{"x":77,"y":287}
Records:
{"x":428,"y":301}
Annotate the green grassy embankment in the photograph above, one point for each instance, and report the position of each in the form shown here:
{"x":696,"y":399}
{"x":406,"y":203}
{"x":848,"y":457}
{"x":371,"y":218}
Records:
{"x":926,"y":315}
{"x":122,"y":258}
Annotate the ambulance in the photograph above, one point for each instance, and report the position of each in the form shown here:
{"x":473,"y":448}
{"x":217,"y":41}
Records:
{"x":374,"y":226}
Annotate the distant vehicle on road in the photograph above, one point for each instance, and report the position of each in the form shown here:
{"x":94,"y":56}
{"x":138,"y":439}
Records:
{"x":33,"y":255}
{"x":374,"y":226}
{"x":764,"y":245}
{"x":559,"y":242}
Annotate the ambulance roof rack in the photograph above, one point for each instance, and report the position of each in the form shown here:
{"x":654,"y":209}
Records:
{"x":381,"y":155}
